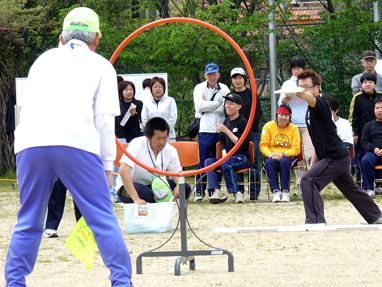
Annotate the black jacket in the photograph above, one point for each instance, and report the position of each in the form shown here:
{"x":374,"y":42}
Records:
{"x":372,"y":136}
{"x":132,"y":128}
{"x":362,"y":111}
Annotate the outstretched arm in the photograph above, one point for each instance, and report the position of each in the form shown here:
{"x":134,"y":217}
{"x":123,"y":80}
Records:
{"x":307,"y":97}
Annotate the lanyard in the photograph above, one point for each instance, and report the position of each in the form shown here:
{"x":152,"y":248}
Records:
{"x":152,"y":160}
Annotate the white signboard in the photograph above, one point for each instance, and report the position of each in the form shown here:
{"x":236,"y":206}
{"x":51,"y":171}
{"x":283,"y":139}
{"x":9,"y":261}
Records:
{"x":20,"y":89}
{"x":135,"y":78}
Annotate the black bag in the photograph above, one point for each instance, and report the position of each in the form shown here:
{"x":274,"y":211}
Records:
{"x":193,"y":128}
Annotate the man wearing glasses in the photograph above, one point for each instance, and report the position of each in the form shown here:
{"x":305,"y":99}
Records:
{"x":333,"y":158}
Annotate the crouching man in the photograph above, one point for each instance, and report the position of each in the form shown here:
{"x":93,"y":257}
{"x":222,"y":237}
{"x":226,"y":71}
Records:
{"x":134,"y":183}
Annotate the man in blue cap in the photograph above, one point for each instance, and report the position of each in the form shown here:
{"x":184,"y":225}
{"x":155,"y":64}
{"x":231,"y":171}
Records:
{"x":66,"y":131}
{"x":209,"y":107}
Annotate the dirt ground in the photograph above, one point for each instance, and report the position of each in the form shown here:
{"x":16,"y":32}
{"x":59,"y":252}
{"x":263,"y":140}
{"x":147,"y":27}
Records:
{"x":314,"y":258}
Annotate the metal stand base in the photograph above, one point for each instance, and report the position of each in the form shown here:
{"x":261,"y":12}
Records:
{"x":184,"y":255}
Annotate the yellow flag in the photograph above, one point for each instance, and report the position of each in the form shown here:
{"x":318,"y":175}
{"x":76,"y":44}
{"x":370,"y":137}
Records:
{"x":81,"y":243}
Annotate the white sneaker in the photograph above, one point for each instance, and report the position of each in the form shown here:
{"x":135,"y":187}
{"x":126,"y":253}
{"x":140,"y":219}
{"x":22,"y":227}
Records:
{"x":371,"y":193}
{"x":50,"y":233}
{"x":285,"y":196}
{"x":276,"y":195}
{"x":378,"y":190}
{"x":239,"y":197}
{"x":218,"y":197}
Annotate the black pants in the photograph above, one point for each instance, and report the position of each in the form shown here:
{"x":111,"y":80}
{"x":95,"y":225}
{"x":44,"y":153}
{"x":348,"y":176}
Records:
{"x":56,"y":206}
{"x":320,"y":175}
{"x":146,"y":193}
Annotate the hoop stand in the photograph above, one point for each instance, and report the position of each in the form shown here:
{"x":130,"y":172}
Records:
{"x":184,"y":255}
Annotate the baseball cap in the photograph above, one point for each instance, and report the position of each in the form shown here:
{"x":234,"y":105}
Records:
{"x":211,"y":68}
{"x":234,"y":98}
{"x":369,"y":54}
{"x":82,"y":19}
{"x":238,"y":71}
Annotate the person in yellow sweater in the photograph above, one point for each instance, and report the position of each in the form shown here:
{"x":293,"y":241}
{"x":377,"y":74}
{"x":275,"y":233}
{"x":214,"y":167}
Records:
{"x":280,"y":145}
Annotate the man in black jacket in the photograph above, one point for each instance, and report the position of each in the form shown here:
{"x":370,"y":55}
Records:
{"x":372,"y":144}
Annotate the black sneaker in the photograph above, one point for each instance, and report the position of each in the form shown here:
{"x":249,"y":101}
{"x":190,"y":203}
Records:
{"x":199,"y":196}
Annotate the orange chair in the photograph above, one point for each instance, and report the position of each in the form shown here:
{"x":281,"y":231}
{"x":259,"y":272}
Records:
{"x":251,"y":160}
{"x":378,"y":178}
{"x":351,"y":150}
{"x":188,"y":152}
{"x":118,"y":157}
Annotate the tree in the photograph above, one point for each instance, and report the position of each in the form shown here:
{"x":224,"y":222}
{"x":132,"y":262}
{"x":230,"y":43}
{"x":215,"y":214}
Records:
{"x":13,"y":19}
{"x":334,"y":46}
{"x":331,"y":46}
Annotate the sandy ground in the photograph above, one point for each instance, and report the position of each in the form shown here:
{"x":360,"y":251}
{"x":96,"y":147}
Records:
{"x":319,"y":258}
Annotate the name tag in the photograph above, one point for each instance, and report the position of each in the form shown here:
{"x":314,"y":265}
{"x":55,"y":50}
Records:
{"x":235,"y":130}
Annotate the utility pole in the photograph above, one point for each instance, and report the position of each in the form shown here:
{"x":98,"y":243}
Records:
{"x":272,"y":57}
{"x":377,"y":18}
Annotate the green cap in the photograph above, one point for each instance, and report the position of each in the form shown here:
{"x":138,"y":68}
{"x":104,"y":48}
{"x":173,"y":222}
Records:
{"x":82,"y":19}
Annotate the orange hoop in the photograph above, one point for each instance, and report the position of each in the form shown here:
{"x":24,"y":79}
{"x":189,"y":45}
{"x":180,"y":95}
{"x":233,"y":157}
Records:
{"x":251,"y":78}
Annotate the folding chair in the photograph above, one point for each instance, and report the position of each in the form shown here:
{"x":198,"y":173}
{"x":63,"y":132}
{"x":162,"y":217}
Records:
{"x":378,"y":179}
{"x":119,"y":155}
{"x":351,"y":150}
{"x":251,"y":160}
{"x":116,"y":170}
{"x":188,"y":153}
{"x":116,"y":162}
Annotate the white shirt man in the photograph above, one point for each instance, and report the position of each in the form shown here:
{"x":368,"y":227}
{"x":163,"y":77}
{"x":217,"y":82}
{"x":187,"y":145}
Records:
{"x":66,"y":130}
{"x":209,"y":107}
{"x":140,"y":148}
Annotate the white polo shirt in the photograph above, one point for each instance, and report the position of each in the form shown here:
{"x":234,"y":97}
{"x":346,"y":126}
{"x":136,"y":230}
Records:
{"x":344,"y":130}
{"x":70,"y":99}
{"x":139,"y":148}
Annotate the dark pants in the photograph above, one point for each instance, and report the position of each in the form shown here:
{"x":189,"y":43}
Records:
{"x":228,"y":168}
{"x":56,"y":206}
{"x":274,"y":167}
{"x":146,"y":193}
{"x":320,"y":175}
{"x":207,"y":149}
{"x":367,"y":169}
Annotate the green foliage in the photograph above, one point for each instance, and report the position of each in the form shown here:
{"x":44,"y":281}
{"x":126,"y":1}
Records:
{"x":332,"y":47}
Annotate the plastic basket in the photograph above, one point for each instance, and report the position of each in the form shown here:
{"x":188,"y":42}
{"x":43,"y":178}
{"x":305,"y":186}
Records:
{"x":149,"y":218}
